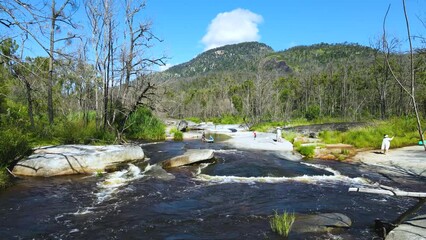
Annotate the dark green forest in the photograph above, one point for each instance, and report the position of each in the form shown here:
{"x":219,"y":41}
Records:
{"x":342,"y":81}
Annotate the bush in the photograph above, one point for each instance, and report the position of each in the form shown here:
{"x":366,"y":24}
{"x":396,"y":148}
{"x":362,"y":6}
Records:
{"x":290,"y":136}
{"x":5,"y":179}
{"x":282,"y":224}
{"x":312,"y":113}
{"x":267,"y":126}
{"x":307,"y":151}
{"x":404,"y":130}
{"x":227,"y":119}
{"x":143,"y":125}
{"x":177,"y":135}
{"x":13,"y":144}
{"x":72,"y":132}
{"x":193,"y":119}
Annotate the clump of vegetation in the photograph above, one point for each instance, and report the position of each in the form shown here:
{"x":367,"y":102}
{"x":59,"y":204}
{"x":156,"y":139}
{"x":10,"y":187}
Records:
{"x":267,"y":126}
{"x":307,"y":151}
{"x":177,"y":135}
{"x":282,"y":223}
{"x":142,"y":124}
{"x":290,"y":136}
{"x":14,"y":144}
{"x":404,"y":130}
{"x":5,"y":179}
{"x":193,"y":119}
{"x":227,"y":119}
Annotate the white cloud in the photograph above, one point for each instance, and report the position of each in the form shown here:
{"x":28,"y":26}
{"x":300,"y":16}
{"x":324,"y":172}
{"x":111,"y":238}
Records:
{"x":165,"y":67}
{"x":239,"y":25}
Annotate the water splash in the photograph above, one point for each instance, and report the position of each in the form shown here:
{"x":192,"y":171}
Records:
{"x":115,"y":181}
{"x":337,"y":177}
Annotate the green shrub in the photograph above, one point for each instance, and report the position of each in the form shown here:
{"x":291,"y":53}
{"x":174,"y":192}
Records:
{"x":13,"y":144}
{"x":142,"y":124}
{"x":193,"y":119}
{"x":290,"y":136}
{"x":267,"y":126}
{"x":5,"y":178}
{"x":227,"y":119}
{"x":282,"y":223}
{"x":307,"y":151}
{"x":312,"y":113}
{"x":296,"y":145}
{"x":178,"y":136}
{"x":404,"y":130}
{"x":73,"y":132}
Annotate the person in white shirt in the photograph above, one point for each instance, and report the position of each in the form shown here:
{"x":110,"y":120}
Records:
{"x":386,"y":143}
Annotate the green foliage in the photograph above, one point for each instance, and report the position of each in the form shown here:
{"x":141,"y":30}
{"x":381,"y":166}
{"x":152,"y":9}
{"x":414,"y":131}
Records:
{"x":312,"y":113}
{"x":193,"y":119}
{"x":297,"y":144}
{"x":13,"y":144}
{"x":307,"y":151}
{"x":238,"y":103}
{"x":404,"y":130}
{"x":177,"y":135}
{"x":282,"y":223}
{"x":142,"y":124}
{"x":227,"y":119}
{"x":5,"y":178}
{"x":290,"y":136}
{"x":267,"y":126}
{"x":78,"y":132}
{"x":209,"y":61}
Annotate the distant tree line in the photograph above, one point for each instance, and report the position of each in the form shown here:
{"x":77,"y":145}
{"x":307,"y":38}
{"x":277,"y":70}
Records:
{"x":345,"y":81}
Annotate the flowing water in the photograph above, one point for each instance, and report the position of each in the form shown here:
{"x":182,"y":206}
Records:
{"x":232,"y":198}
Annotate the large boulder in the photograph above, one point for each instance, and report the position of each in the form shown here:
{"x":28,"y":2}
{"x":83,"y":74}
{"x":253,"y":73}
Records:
{"x":190,"y":156}
{"x":76,"y":159}
{"x":323,"y":222}
{"x":413,"y":229}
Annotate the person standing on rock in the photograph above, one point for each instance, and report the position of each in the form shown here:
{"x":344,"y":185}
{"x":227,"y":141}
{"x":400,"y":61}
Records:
{"x":386,"y":143}
{"x":203,"y":136}
{"x":279,"y":138}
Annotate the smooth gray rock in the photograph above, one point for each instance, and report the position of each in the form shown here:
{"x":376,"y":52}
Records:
{"x":413,"y":229}
{"x":158,"y":172}
{"x":323,"y":222}
{"x":76,"y":159}
{"x":190,"y":156}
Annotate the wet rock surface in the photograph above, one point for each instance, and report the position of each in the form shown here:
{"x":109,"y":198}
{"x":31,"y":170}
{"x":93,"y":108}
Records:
{"x":414,"y":229}
{"x":323,"y":222}
{"x":76,"y":159}
{"x":191,"y":156}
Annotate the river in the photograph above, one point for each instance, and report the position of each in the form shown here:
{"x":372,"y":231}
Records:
{"x":232,"y":198}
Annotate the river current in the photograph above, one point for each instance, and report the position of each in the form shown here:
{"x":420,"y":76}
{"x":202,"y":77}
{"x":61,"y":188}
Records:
{"x":232,"y":198}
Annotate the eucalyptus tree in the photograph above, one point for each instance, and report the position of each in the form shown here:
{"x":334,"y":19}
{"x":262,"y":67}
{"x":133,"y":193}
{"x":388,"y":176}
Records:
{"x":410,"y":87}
{"x":33,"y":19}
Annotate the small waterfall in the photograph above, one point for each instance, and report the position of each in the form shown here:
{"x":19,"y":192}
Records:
{"x":336,"y":177}
{"x":114,"y":182}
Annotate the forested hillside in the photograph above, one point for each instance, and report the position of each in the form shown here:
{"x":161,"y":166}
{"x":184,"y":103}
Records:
{"x":346,"y":81}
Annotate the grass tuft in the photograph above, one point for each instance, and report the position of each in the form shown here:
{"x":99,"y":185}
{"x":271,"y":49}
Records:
{"x":282,"y":223}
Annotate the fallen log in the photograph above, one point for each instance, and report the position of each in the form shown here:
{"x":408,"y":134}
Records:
{"x":389,"y":191}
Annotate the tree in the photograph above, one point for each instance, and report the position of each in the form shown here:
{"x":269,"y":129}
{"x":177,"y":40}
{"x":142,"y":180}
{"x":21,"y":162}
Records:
{"x":409,"y":90}
{"x":32,"y":19}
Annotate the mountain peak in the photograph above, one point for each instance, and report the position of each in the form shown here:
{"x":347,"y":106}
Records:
{"x":242,"y":56}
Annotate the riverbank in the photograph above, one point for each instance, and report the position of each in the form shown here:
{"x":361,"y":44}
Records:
{"x":409,"y":162}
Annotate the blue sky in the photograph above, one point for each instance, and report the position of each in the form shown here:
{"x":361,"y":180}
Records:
{"x":189,"y":27}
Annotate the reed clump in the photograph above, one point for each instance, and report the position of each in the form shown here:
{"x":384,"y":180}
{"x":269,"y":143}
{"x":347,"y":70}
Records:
{"x":282,"y":223}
